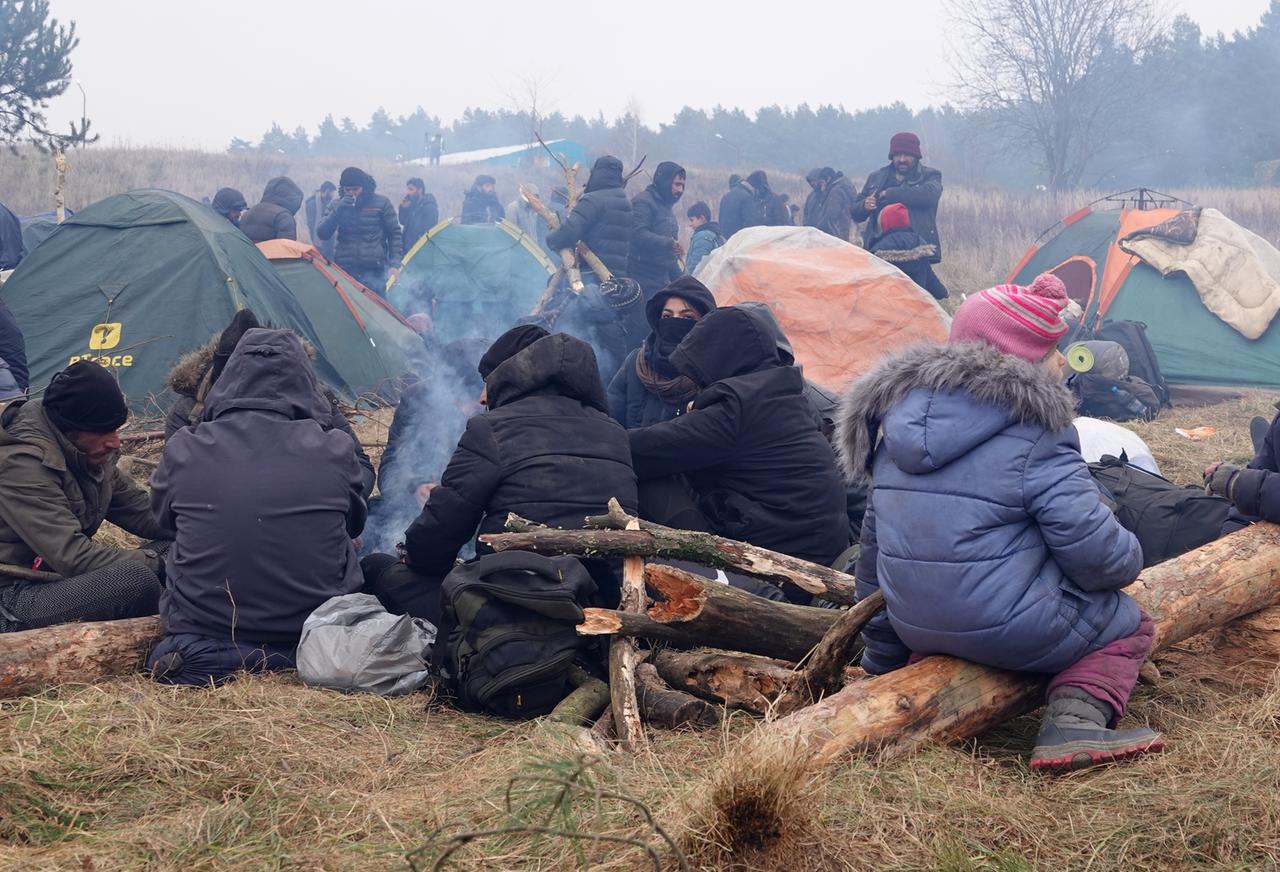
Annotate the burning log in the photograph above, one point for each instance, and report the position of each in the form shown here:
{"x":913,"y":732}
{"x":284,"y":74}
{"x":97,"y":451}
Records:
{"x":694,"y":611}
{"x":33,"y":659}
{"x":672,"y":709}
{"x":945,"y":699}
{"x":623,"y":659}
{"x":656,"y":541}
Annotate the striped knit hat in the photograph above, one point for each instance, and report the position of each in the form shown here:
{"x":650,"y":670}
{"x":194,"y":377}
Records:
{"x":1026,"y":322}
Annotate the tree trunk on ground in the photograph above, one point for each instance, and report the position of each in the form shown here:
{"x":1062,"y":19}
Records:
{"x":655,"y":541}
{"x":1249,"y":648}
{"x":945,"y":699}
{"x":623,"y":659}
{"x":824,"y":671}
{"x":74,"y":653}
{"x":662,"y":706}
{"x":584,"y":705}
{"x":695,"y":611}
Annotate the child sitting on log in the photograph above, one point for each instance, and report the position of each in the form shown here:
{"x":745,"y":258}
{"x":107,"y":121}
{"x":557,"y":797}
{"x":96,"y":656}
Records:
{"x":985,"y":532}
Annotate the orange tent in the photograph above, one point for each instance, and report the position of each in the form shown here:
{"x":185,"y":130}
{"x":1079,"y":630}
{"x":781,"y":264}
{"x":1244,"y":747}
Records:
{"x":842,"y":307}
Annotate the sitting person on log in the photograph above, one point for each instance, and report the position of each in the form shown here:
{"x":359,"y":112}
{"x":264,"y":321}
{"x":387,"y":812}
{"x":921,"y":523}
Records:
{"x":58,"y":483}
{"x":748,"y":460}
{"x":986,"y":533}
{"x":546,"y":449}
{"x":194,"y":375}
{"x":266,"y":498}
{"x":1254,"y":491}
{"x":647,"y":389}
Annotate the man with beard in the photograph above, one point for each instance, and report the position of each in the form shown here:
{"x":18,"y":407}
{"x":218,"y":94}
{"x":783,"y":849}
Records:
{"x":602,"y":219}
{"x":480,"y":204}
{"x":907,"y":181}
{"x":656,"y":251}
{"x":418,"y":212}
{"x":230,"y":204}
{"x":369,"y":238}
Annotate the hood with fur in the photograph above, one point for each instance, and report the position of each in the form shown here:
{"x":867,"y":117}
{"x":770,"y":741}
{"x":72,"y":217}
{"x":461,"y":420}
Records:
{"x":968,"y":392}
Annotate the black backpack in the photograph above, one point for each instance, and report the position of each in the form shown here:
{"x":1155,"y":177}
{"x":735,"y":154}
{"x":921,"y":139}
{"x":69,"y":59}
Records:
{"x":1168,"y":520}
{"x":1143,"y":363}
{"x":1124,"y":399}
{"x":507,"y":635}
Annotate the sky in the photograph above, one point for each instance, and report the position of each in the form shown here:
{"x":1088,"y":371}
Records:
{"x":196,"y":74}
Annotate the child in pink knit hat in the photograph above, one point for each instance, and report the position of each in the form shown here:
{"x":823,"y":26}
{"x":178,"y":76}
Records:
{"x":984,"y":530}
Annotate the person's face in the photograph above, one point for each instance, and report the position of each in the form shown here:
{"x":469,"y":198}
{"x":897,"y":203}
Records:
{"x":904,"y":163}
{"x":326,"y":196}
{"x":487,"y":187}
{"x":234,"y":214}
{"x":679,"y":307}
{"x":677,"y":187}
{"x":1055,"y":363}
{"x":352,"y":191}
{"x":697,"y":221}
{"x":97,"y":448}
{"x":413,"y":193}
{"x":816,"y":184}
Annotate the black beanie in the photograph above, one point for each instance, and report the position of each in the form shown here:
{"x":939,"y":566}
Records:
{"x":243,"y":321}
{"x":84,"y":397}
{"x":353,"y":177}
{"x":508,"y":345}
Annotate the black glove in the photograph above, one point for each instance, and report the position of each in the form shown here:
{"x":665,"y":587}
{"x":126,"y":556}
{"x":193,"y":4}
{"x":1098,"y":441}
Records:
{"x":1222,"y":482}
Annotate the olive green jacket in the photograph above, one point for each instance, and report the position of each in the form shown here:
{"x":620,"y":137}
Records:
{"x":52,"y":503}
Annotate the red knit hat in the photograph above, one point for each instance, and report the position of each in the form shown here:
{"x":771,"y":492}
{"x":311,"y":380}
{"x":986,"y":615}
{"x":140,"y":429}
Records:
{"x":893,"y":216}
{"x":905,"y":143}
{"x":1026,"y":322}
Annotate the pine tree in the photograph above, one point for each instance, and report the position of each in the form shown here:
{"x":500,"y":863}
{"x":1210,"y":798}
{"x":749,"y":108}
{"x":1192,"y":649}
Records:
{"x":35,"y":67}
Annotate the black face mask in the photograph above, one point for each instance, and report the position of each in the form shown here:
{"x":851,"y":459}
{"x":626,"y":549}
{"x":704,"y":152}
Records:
{"x":672,"y":330}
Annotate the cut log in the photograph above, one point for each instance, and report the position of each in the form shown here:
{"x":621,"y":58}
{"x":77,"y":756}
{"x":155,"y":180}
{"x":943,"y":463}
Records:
{"x":696,"y":612}
{"x":945,"y":699}
{"x":589,"y":698}
{"x":739,"y":681}
{"x":623,"y":659}
{"x":671,"y":709}
{"x":74,"y":653}
{"x":656,"y":541}
{"x":1248,"y":649}
{"x":823,"y":672}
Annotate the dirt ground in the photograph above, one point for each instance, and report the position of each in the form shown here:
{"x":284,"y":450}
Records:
{"x":267,"y":774}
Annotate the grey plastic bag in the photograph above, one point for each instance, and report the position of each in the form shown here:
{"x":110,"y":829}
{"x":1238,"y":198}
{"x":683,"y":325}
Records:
{"x":352,"y":643}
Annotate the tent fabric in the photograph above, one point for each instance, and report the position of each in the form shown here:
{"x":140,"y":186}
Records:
{"x":1236,"y":272}
{"x":1194,"y":346}
{"x":841,"y":307}
{"x":137,"y":280}
{"x":474,"y":280}
{"x":369,"y":342}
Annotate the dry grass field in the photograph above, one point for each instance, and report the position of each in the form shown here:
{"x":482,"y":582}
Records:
{"x":265,"y":774}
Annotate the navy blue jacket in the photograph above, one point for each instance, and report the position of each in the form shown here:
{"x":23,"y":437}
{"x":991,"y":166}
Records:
{"x":986,"y":533}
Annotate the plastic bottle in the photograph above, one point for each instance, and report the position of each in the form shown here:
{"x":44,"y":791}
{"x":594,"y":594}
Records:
{"x":1130,"y":402}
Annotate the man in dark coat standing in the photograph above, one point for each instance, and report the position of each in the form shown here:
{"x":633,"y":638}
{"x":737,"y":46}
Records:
{"x":601,"y":218}
{"x":273,"y":216}
{"x":743,"y":206}
{"x":315,"y":207}
{"x":830,"y":206}
{"x":546,"y":450}
{"x":265,"y":499}
{"x":369,"y":241}
{"x":655,"y":246}
{"x":480,"y":204}
{"x":418,"y":212}
{"x":907,"y":181}
{"x":748,"y":460}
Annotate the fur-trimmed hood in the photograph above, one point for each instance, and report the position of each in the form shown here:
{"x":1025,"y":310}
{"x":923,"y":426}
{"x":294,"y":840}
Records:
{"x":187,"y":374}
{"x":923,"y":251}
{"x":968,"y":392}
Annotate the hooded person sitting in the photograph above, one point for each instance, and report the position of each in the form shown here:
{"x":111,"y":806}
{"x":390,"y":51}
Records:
{"x":546,"y":449}
{"x":266,"y":498}
{"x":654,"y":259}
{"x":748,"y":460}
{"x":647,"y":388}
{"x":273,"y":216}
{"x":195,"y":374}
{"x":601,"y":219}
{"x":901,"y":246}
{"x":986,"y":533}
{"x":230,"y":204}
{"x":58,"y":483}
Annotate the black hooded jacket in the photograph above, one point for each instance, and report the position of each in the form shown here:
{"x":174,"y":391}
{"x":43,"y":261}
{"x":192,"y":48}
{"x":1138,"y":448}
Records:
{"x":273,"y":216}
{"x":417,"y":218}
{"x":265,"y":499}
{"x":631,"y":403}
{"x":654,"y":230}
{"x":546,"y":450}
{"x":601,"y":219}
{"x":743,"y":206}
{"x":750,"y":448}
{"x":369,"y":235}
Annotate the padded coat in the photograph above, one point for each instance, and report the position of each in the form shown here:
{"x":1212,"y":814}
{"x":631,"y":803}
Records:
{"x":273,"y":216}
{"x":601,"y":218}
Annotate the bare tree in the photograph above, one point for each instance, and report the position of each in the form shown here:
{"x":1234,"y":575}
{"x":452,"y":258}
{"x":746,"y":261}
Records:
{"x":1056,"y":76}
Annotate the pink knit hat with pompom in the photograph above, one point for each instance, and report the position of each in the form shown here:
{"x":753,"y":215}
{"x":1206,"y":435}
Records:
{"x":1026,"y":321}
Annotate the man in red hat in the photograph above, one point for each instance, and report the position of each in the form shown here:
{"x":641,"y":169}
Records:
{"x":907,"y":181}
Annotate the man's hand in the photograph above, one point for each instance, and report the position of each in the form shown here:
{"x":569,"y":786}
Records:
{"x":870,"y":203}
{"x":1220,"y":480}
{"x":393,"y":273}
{"x":677,"y":248}
{"x":423,"y":493}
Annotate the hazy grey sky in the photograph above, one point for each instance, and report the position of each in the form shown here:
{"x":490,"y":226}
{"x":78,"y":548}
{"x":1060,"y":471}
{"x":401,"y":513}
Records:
{"x":178,"y":72}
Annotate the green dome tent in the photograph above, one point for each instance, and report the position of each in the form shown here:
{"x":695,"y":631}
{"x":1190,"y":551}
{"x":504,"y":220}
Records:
{"x":473,"y":279}
{"x":362,"y":335}
{"x":137,"y":280}
{"x":1093,"y":252}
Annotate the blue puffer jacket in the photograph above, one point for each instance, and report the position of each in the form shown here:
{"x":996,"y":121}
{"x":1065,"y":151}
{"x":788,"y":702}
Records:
{"x":986,"y":533}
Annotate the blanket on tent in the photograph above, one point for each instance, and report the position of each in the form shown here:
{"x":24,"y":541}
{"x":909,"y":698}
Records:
{"x":1236,"y":272}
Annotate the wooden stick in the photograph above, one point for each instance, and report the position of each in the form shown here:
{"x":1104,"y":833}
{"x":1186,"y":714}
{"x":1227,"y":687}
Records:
{"x":589,"y":698}
{"x":668,"y":708}
{"x":26,"y":573}
{"x":739,"y":681}
{"x":657,"y":541}
{"x":623,"y":659}
{"x":76,"y":653}
{"x":823,"y":673}
{"x":142,"y":436}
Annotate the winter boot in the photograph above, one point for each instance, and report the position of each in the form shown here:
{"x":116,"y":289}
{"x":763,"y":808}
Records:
{"x":1074,"y":734}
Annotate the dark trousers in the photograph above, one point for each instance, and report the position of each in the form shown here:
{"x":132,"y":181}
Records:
{"x":671,"y":502}
{"x":373,"y":279}
{"x":401,"y":589}
{"x":203,"y":661}
{"x":127,"y":589}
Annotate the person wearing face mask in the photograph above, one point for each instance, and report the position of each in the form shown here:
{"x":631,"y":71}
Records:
{"x":58,"y":483}
{"x":656,"y":251}
{"x":647,"y":388}
{"x":986,"y":533}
